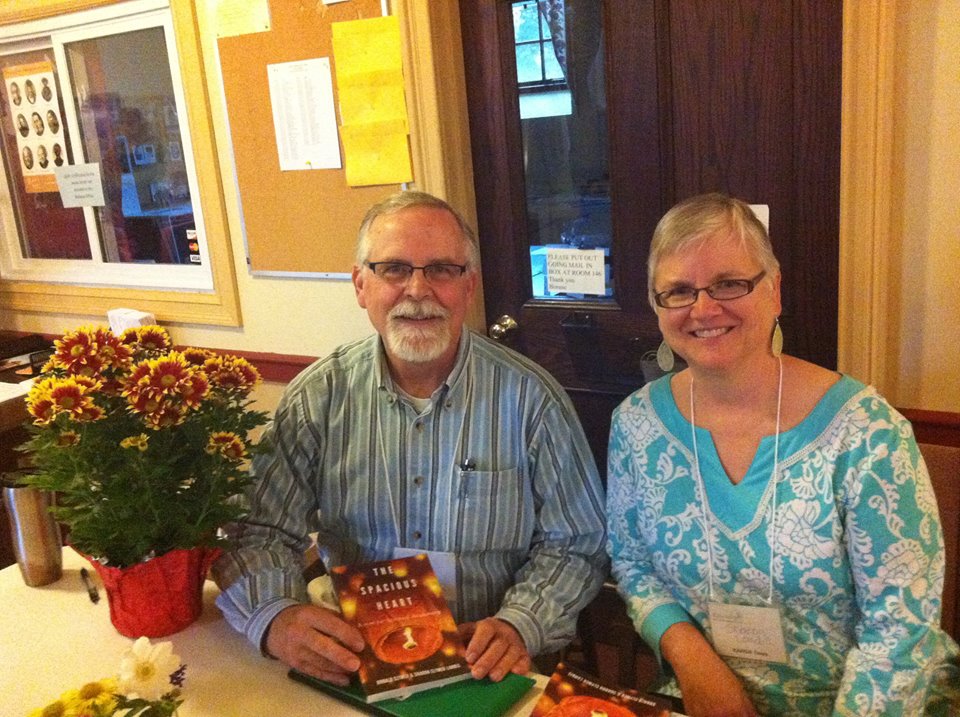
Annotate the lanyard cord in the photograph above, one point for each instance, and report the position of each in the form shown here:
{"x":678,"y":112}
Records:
{"x":708,"y":513}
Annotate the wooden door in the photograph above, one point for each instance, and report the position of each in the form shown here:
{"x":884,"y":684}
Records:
{"x":668,"y":99}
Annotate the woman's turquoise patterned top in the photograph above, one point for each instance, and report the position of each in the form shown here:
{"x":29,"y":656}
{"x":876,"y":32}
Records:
{"x":858,"y":555}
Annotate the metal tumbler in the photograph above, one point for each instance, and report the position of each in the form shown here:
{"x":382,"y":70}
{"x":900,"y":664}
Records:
{"x":36,"y":535}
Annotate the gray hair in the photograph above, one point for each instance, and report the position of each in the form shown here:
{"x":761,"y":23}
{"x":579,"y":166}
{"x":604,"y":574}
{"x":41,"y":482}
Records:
{"x":408,"y":200}
{"x":699,"y":219}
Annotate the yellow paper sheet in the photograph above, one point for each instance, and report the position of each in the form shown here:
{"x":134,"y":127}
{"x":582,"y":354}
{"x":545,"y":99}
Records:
{"x":363,"y":46}
{"x":373,"y":110}
{"x":376,"y":154}
{"x":372,"y":102}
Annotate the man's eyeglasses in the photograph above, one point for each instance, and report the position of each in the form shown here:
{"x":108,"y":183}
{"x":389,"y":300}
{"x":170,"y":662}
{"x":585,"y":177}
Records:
{"x":722,"y":290}
{"x":398,"y":272}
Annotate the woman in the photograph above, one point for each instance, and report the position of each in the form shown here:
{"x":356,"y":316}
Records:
{"x":772,"y":525}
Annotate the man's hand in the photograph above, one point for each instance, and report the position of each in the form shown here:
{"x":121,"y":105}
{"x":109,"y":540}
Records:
{"x":315,"y":641}
{"x":494,"y":648}
{"x":709,"y":687}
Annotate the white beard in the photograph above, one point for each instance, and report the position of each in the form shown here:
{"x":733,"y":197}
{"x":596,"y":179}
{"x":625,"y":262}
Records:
{"x":418,"y":344}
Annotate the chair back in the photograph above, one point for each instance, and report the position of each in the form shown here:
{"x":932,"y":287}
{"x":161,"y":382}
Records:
{"x":943,"y":463}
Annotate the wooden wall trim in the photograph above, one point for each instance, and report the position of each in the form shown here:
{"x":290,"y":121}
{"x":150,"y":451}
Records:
{"x":279,"y":368}
{"x":939,"y":427}
{"x":437,"y":107}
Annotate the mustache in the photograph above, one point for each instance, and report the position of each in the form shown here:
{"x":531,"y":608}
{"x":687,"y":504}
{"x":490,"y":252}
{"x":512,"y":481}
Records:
{"x":410,"y":309}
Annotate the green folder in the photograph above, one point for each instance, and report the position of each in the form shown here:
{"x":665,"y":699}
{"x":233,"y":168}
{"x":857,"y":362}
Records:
{"x":484,"y":698}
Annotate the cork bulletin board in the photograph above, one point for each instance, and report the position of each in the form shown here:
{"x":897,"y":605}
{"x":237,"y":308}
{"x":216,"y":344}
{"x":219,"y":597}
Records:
{"x":298,"y":222}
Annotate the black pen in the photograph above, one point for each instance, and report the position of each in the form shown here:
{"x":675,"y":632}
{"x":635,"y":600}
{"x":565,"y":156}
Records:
{"x":91,"y":588}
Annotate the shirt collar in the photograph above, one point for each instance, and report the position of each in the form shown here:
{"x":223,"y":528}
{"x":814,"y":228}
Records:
{"x":385,"y":380}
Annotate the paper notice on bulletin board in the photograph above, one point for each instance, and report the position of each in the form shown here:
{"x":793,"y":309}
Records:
{"x":301,"y":96}
{"x":373,"y":110}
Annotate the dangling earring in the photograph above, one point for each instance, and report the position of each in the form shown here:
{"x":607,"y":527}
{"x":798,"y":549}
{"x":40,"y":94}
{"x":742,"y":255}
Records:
{"x":665,"y":357}
{"x":776,"y":342}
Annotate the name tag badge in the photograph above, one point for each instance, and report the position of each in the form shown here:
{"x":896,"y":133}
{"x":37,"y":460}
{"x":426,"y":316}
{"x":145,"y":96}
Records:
{"x":444,"y":567}
{"x":748,"y":631}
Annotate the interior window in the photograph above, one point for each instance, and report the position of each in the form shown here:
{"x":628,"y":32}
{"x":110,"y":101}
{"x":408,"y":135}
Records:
{"x":98,"y":98}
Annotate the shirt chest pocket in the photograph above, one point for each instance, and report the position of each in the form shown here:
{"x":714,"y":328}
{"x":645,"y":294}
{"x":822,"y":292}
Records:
{"x":496,"y":511}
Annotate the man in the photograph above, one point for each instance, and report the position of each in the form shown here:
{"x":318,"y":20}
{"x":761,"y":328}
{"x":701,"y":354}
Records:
{"x":423,"y":437}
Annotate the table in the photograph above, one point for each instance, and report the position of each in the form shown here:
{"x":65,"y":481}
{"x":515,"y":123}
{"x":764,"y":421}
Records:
{"x":52,"y":638}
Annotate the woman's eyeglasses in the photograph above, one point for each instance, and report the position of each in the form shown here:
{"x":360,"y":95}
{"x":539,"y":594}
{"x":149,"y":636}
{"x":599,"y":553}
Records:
{"x":723,"y":290}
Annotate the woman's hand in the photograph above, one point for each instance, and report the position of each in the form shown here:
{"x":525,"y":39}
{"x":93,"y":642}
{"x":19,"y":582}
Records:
{"x":709,"y":686}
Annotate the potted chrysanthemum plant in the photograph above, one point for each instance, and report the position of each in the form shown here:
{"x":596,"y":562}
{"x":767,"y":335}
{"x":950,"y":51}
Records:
{"x":146,"y":448}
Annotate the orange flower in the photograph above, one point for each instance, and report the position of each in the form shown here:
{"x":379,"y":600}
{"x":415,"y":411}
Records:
{"x":164,"y":416}
{"x":149,"y":338}
{"x":163,"y":390}
{"x":226,"y":444}
{"x":138,"y":442}
{"x":194,"y":389}
{"x":39,"y":403}
{"x":197,"y":356}
{"x":169,"y":375}
{"x":231,"y":373}
{"x":110,"y":350}
{"x":68,"y":438}
{"x":88,"y":351}
{"x":71,"y":395}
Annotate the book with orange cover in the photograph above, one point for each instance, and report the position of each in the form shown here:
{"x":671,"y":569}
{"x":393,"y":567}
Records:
{"x":572,"y":693}
{"x":411,"y":638}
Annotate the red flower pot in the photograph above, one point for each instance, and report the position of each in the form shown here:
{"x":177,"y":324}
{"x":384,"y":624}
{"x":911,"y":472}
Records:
{"x":160,"y":596}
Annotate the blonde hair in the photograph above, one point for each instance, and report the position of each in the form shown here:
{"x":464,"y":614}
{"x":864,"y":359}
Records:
{"x":408,"y":200}
{"x":705,"y":217}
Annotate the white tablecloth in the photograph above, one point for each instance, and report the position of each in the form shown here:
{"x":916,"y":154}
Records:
{"x":52,"y":638}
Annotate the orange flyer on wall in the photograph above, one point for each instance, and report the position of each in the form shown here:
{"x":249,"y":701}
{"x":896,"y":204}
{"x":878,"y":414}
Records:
{"x":572,"y":693}
{"x":411,"y":638}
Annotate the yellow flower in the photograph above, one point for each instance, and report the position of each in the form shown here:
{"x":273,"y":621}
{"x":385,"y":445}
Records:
{"x":88,"y":351}
{"x":138,"y":442}
{"x":149,"y":338}
{"x":231,"y":373}
{"x":226,"y":444}
{"x":197,"y":356}
{"x":68,"y":438}
{"x":72,"y":395}
{"x":54,"y":709}
{"x":164,"y":389}
{"x":94,"y":698}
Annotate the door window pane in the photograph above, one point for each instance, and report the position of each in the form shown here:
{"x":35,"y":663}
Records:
{"x":565,"y":149}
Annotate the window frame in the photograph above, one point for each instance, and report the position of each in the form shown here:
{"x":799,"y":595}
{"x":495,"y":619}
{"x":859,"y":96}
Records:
{"x":544,"y":84}
{"x":218,"y":305}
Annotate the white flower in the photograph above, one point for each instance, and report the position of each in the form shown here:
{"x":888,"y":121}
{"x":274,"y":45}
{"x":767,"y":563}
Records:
{"x":145,"y":669}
